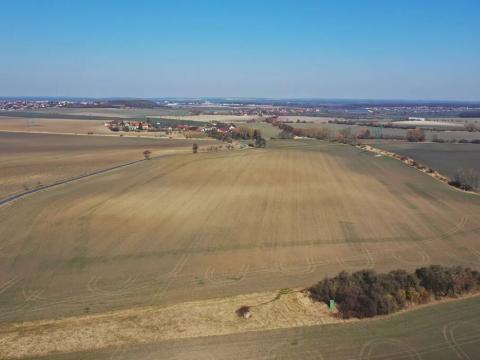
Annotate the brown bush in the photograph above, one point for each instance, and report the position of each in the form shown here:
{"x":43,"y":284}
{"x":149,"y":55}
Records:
{"x":416,"y":134}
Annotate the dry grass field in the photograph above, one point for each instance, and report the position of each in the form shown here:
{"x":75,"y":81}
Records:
{"x":195,"y":227}
{"x":29,"y":160}
{"x":440,"y":332}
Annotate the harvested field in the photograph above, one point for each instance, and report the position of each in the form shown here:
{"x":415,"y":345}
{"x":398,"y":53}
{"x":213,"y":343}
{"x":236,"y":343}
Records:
{"x":430,"y":124}
{"x":69,"y":127}
{"x":222,"y":118}
{"x":46,"y":125}
{"x":31,"y":160}
{"x":308,"y":119}
{"x":99,"y":112}
{"x":444,"y":158}
{"x":192,"y":227}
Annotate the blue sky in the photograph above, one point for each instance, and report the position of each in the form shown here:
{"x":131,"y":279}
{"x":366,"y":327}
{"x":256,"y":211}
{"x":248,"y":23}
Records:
{"x":409,"y":49}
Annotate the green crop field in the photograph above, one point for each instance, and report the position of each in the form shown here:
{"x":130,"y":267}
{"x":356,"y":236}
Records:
{"x":445,"y":158}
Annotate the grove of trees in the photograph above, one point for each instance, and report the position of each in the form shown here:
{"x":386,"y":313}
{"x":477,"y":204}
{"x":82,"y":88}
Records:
{"x":366,"y":294}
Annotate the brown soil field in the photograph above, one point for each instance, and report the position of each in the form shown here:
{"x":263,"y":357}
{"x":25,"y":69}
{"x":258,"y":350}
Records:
{"x":68,"y":126}
{"x":191,"y":227}
{"x":27,"y":160}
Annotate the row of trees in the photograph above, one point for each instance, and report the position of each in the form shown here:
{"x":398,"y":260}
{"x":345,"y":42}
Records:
{"x":366,"y":293}
{"x":344,"y":135}
{"x":240,"y":133}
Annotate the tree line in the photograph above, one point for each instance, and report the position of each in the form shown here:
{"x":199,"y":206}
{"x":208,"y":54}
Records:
{"x":366,"y":294}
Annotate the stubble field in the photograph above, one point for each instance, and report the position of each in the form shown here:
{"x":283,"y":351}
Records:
{"x":196,"y":227}
{"x":28,"y":160}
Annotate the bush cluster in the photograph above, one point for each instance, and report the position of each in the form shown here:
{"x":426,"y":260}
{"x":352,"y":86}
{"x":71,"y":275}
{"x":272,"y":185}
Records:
{"x":466,"y":179}
{"x":366,"y":293}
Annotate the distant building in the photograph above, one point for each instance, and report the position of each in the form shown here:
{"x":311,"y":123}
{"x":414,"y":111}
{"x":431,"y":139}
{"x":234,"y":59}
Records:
{"x":416,"y":118}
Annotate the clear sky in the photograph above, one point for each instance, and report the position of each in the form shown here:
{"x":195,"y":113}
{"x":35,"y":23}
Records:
{"x":408,"y":49}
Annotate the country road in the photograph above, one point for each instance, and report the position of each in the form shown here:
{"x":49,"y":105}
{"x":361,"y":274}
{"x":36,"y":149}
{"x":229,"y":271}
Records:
{"x":12,"y":198}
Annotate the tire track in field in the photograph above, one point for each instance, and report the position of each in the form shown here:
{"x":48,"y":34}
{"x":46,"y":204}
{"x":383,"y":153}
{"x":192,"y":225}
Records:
{"x":352,"y":238}
{"x":226,"y":279}
{"x":309,"y":268}
{"x":9,"y":283}
{"x":418,"y":246}
{"x":285,"y":351}
{"x":366,"y":352}
{"x":448,"y":332}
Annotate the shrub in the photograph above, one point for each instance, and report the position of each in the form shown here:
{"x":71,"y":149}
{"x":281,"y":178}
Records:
{"x":416,"y":134}
{"x":243,"y":311}
{"x":146,"y":154}
{"x":366,"y":293}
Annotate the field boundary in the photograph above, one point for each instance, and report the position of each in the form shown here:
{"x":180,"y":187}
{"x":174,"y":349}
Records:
{"x":292,"y":308}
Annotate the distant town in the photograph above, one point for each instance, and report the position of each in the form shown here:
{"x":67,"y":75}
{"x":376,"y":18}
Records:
{"x":266,"y":107}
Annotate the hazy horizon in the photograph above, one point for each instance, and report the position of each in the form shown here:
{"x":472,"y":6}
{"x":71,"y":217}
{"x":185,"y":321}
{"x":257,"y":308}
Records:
{"x":375,"y":50}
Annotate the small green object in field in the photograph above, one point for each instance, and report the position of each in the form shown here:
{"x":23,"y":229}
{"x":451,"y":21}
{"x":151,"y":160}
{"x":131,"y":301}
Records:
{"x":331,"y":305}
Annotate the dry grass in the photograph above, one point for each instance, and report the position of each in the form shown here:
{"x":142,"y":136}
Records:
{"x":152,"y":324}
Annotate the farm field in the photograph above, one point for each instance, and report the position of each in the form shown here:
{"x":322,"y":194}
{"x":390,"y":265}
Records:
{"x":104,"y":112}
{"x":429,"y":123}
{"x":66,"y":126}
{"x":45,"y":125}
{"x":445,"y":135}
{"x":28,"y":160}
{"x":445,"y":158}
{"x":222,"y":118}
{"x":190,"y":227}
{"x":308,"y":119}
{"x":268,"y":130}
